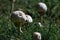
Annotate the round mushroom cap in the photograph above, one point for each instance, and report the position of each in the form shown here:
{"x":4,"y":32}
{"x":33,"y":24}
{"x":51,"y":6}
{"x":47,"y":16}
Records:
{"x":37,"y":35}
{"x":18,"y":16}
{"x":42,"y":6}
{"x":29,"y":18}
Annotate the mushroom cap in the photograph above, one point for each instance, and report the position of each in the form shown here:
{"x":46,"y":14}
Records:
{"x":29,"y":18}
{"x":18,"y":16}
{"x":37,"y":35}
{"x":42,"y":6}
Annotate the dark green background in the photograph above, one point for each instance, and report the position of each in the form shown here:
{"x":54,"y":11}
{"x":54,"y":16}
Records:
{"x":51,"y":20}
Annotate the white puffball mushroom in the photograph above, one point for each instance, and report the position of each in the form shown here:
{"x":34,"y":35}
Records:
{"x":29,"y":18}
{"x":36,"y":36}
{"x":40,"y":24}
{"x":42,"y":6}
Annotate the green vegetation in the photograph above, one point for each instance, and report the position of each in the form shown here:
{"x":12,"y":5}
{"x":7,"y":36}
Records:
{"x":50,"y":20}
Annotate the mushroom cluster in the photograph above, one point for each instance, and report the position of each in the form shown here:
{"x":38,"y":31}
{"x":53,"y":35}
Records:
{"x":19,"y":18}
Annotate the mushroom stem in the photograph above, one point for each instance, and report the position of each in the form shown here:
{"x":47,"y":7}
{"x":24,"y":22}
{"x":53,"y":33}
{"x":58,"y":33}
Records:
{"x":21,"y":30}
{"x":12,"y":5}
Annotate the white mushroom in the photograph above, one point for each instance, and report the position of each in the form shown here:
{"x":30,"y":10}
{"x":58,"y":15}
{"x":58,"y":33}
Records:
{"x":18,"y":18}
{"x":42,"y":6}
{"x":36,"y":36}
{"x":29,"y":18}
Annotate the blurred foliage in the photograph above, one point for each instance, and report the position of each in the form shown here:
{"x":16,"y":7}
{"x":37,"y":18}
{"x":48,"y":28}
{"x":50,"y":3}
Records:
{"x":50,"y":20}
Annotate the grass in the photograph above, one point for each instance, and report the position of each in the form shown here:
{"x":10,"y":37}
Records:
{"x":51,"y":20}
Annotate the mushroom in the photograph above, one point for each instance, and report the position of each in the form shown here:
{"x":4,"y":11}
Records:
{"x":36,"y":36}
{"x":29,"y":18}
{"x":18,"y":18}
{"x":41,"y":8}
